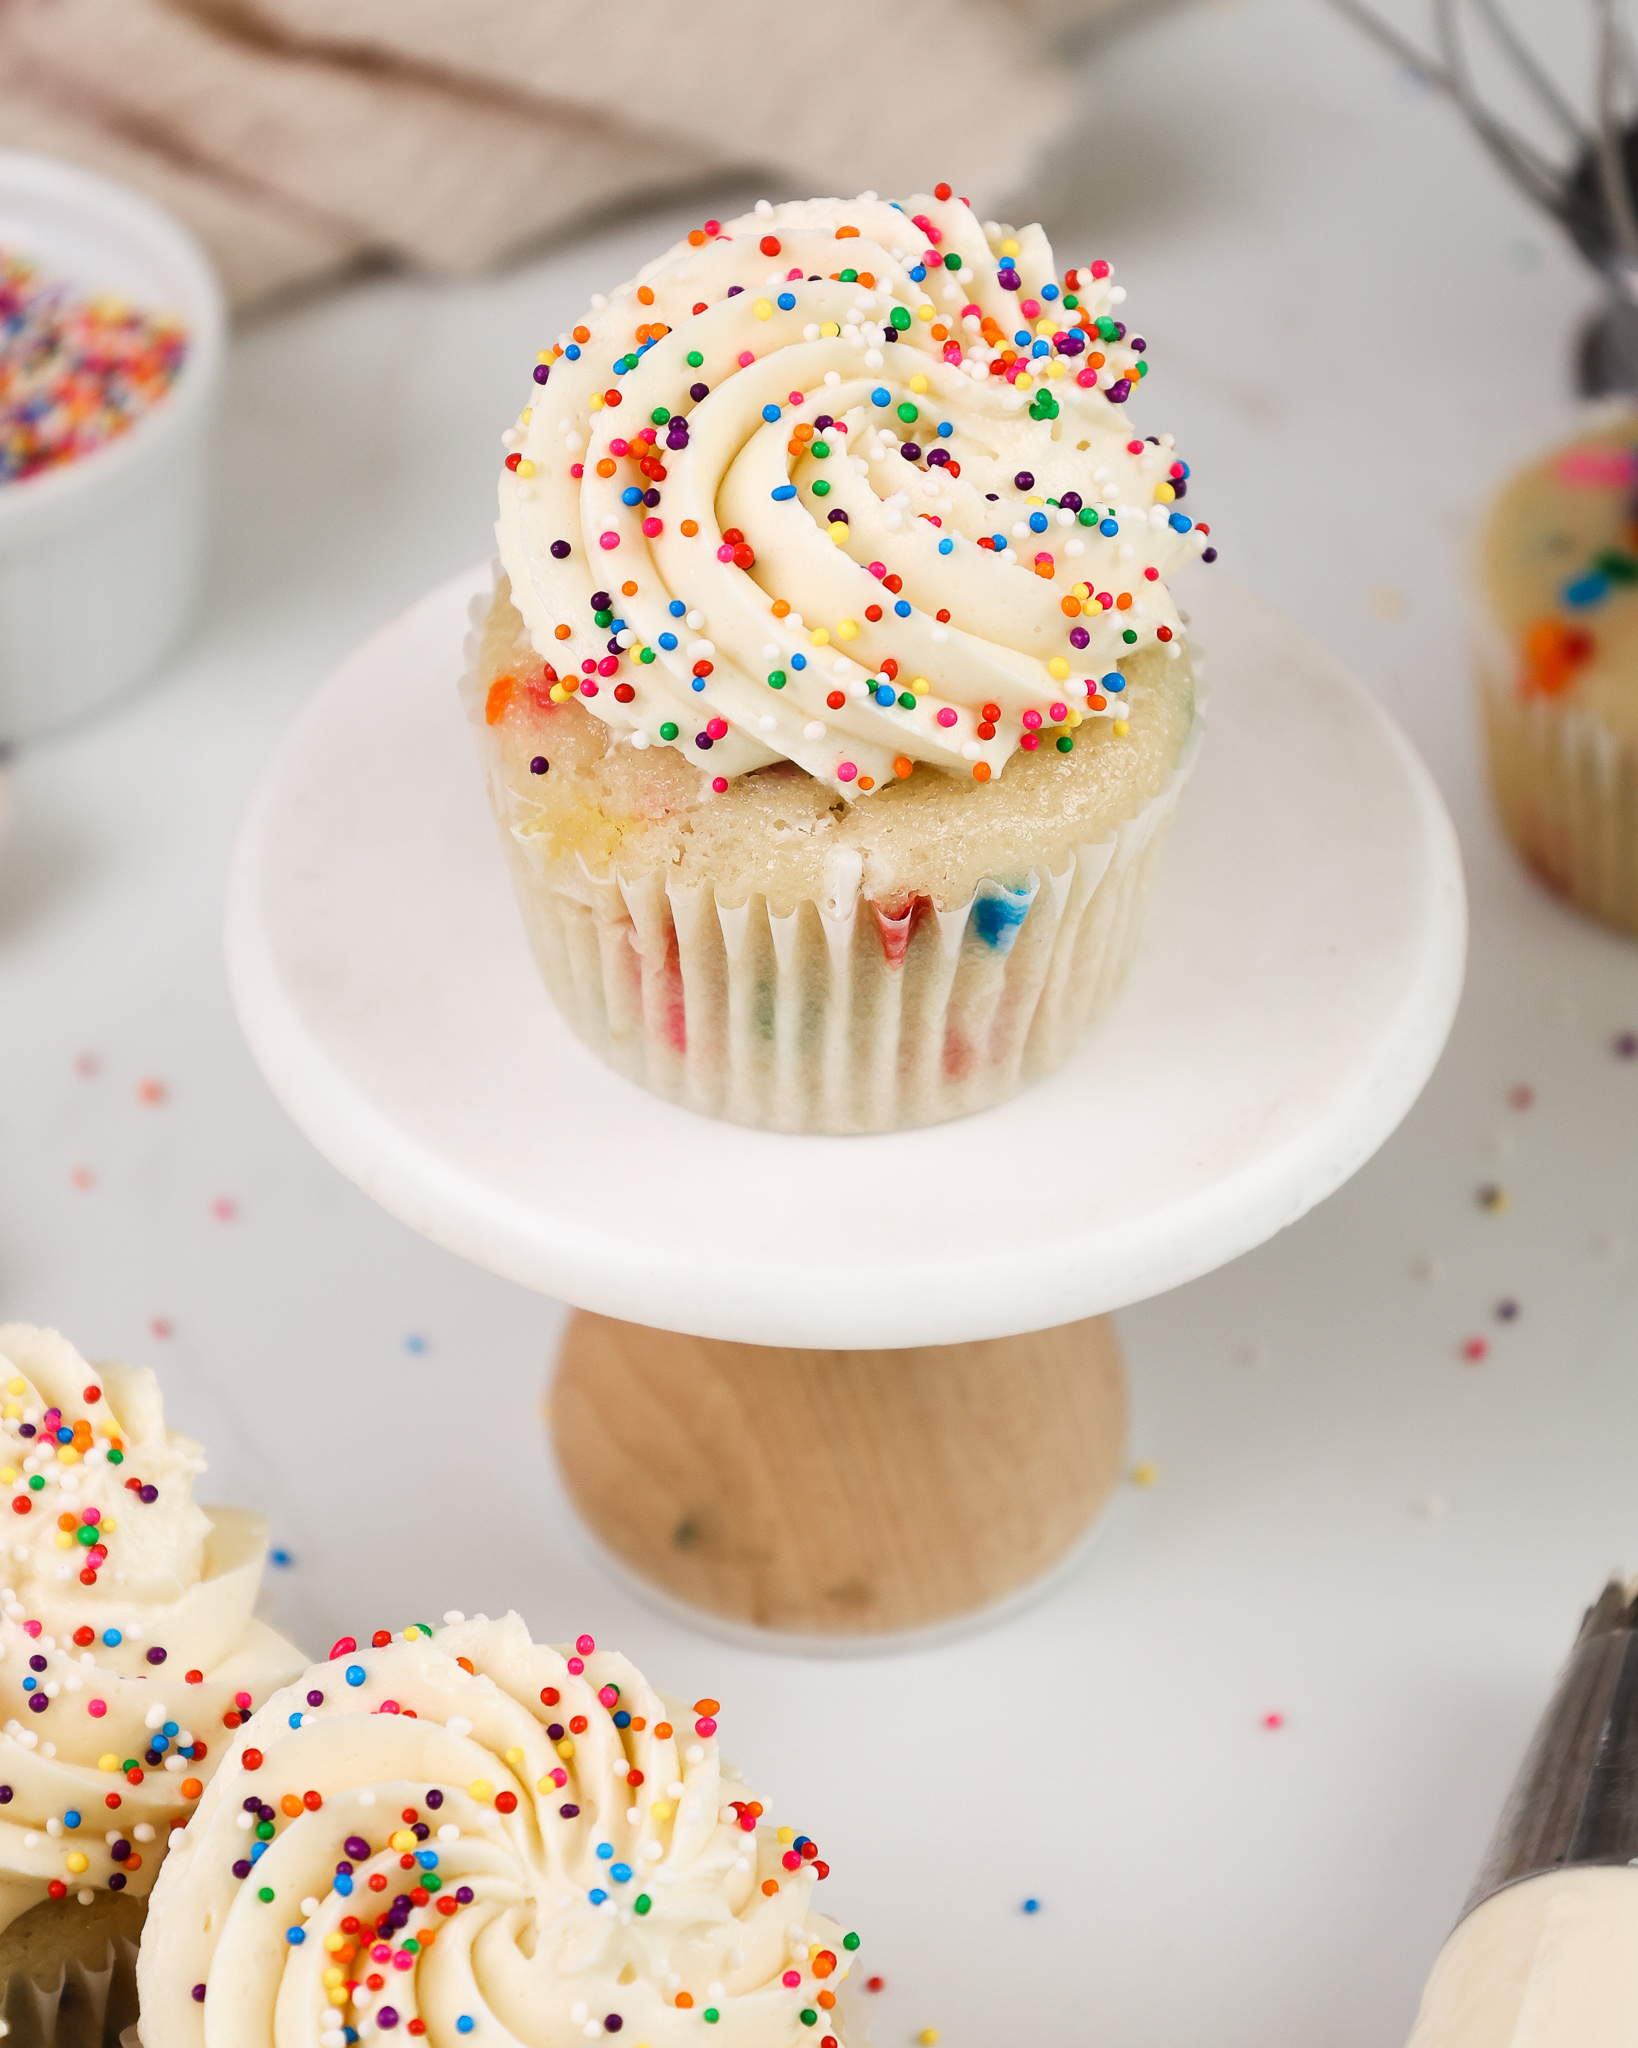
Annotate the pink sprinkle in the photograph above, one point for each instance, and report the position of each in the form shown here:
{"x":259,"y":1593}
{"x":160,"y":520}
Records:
{"x":160,"y":1326}
{"x":791,"y":1979}
{"x":31,"y":1628}
{"x":1058,"y":713}
{"x":846,"y":772}
{"x":608,"y":1696}
{"x":799,"y":398}
{"x":705,"y":1725}
{"x":88,"y":1065}
{"x":1030,"y":308}
{"x":946,"y":716}
{"x":719,"y":783}
{"x":1032,"y":719}
{"x":575,"y":1667}
{"x":1597,"y":468}
{"x":224,"y":1208}
{"x":608,"y":540}
{"x":91,"y":1515}
{"x":1476,"y":1348}
{"x":1086,"y":378}
{"x":717,"y":728}
{"x":403,"y":1960}
{"x":646,"y":434}
{"x":586,"y":1644}
{"x":746,"y":359}
{"x":387,"y":1707}
{"x":652,"y":526}
{"x":590,"y":664}
{"x":1100,"y":269}
{"x":1029,"y":741}
{"x":242,"y":1701}
{"x":608,"y":664}
{"x":878,"y":570}
{"x":619,"y":447}
{"x":96,"y":1708}
{"x":560,"y":1777}
{"x":1273,"y":1720}
{"x":577,"y":470}
{"x":975,"y":312}
{"x":792,"y":275}
{"x":588,"y":688}
{"x":725,"y":553}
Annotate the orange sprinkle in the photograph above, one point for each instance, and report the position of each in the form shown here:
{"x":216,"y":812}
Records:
{"x":802,"y":431}
{"x":606,"y":466}
{"x":466,"y":1665}
{"x":707,"y":1706}
{"x":825,"y":1998}
{"x":1071,"y":606}
{"x":639,"y":1722}
{"x":690,"y":527}
{"x":1123,"y":603}
{"x":781,"y":609}
{"x":191,"y":1788}
{"x":662,"y":1729}
{"x":1046,"y":568}
{"x":291,"y":1805}
{"x":981,"y":771}
{"x":903,"y":766}
{"x":867,"y":278}
{"x":695,"y":241}
{"x":867,"y":782}
{"x":939,"y":331}
{"x":563,"y":632}
{"x":628,"y":590}
{"x":644,"y":296}
{"x":1096,"y":359}
{"x":582,"y":334}
{"x":769,"y":1886}
{"x":500,"y":696}
{"x":843,"y":234}
{"x":686,"y":1998}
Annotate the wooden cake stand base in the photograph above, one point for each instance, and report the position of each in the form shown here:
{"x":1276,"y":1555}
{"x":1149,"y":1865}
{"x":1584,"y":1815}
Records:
{"x":839,"y":1493}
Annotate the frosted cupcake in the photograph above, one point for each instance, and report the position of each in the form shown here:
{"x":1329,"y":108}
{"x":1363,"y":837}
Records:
{"x":1558,"y":667}
{"x":461,"y":1835}
{"x":832,"y":699}
{"x":128,"y":1650}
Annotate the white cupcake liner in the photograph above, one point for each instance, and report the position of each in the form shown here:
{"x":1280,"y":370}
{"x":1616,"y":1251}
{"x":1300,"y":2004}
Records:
{"x":831,"y":1017}
{"x":75,"y":2011}
{"x":1566,"y":786}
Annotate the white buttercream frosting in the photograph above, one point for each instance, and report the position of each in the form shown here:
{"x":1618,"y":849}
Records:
{"x":857,"y":488}
{"x":467,"y":1835}
{"x":126,"y":1631}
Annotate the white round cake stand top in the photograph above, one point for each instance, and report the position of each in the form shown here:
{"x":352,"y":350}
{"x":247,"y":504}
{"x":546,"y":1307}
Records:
{"x":1296,"y":980}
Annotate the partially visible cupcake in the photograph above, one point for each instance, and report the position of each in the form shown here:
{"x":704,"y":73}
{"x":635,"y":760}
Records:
{"x":1558,"y":667}
{"x":832,"y":700}
{"x":463,"y":1836}
{"x":128,"y":1651}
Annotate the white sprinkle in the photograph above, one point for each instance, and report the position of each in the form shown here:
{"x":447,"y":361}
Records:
{"x":244,"y":1821}
{"x":971,"y":751}
{"x":770,"y":651}
{"x":1075,"y":548}
{"x":309,"y":1907}
{"x":873,"y":359}
{"x":767,"y":723}
{"x":814,"y":729}
{"x":938,"y":633}
{"x":143,"y":1831}
{"x":640,"y":741}
{"x":578,"y":2012}
{"x":366,"y":1798}
{"x":694,"y":620}
{"x":831,"y":377}
{"x":458,"y":1724}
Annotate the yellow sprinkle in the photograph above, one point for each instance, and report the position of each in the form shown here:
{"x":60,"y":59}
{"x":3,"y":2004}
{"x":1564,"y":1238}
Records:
{"x":1082,"y":590}
{"x":17,"y":1386}
{"x":338,"y":1994}
{"x":67,"y":1455}
{"x":1035,"y":500}
{"x":1119,"y":728}
{"x":1044,"y":330}
{"x":1056,"y":367}
{"x":847,"y":629}
{"x":107,"y":1527}
{"x":919,"y":686}
{"x":763,"y":309}
{"x":787,"y":1834}
{"x":1143,"y":1475}
{"x":544,"y":1785}
{"x":12,"y":1411}
{"x":8,"y":1475}
{"x":1164,"y":494}
{"x":1009,"y":247}
{"x":480,"y":1788}
{"x":545,"y":355}
{"x":526,"y":467}
{"x":819,"y":637}
{"x":838,"y":535}
{"x":1058,"y":667}
{"x":527,"y":414}
{"x":829,"y":328}
{"x":1071,"y":716}
{"x":918,"y":382}
{"x":597,"y":401}
{"x":514,"y":1755}
{"x":335,"y":1974}
{"x":79,"y":1861}
{"x":928,"y":2037}
{"x":107,"y":1763}
{"x":64,"y":1540}
{"x":332,"y":1942}
{"x":924,"y":312}
{"x":558,"y":694}
{"x":402,"y":1841}
{"x":565,"y":1748}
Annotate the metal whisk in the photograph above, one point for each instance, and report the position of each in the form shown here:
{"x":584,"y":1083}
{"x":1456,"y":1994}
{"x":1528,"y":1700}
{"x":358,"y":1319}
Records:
{"x":1587,"y":187}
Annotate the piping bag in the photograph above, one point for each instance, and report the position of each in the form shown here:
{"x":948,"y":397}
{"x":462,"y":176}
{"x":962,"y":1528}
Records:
{"x":1545,"y":1954}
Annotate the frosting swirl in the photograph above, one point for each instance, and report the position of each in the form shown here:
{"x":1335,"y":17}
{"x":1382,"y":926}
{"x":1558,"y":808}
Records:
{"x":125,"y":1625}
{"x":466,"y":1833}
{"x":849,"y":484}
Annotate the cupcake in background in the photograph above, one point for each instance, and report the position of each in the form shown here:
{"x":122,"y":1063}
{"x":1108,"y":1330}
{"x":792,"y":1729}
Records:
{"x":1558,"y":667}
{"x":464,"y":1836}
{"x":128,"y":1653}
{"x":832,"y":701}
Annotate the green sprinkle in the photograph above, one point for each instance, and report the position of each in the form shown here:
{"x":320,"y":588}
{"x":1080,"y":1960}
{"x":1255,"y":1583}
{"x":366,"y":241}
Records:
{"x":952,"y":261}
{"x":266,"y":1895}
{"x":1142,"y":368}
{"x":1065,"y":744}
{"x":710,"y":2015}
{"x":1070,"y":301}
{"x":777,"y":679}
{"x":1129,"y":637}
{"x":116,"y":1457}
{"x":641,"y":1903}
{"x":1088,"y":515}
{"x":900,"y":317}
{"x":129,"y":1764}
{"x":908,"y":413}
{"x":850,"y":1941}
{"x":808,"y":2016}
{"x":412,"y":1947}
{"x":819,"y":448}
{"x":668,"y":731}
{"x":36,"y":1482}
{"x":645,"y":654}
{"x":431,"y":1881}
{"x":821,"y":487}
{"x":85,"y":1534}
{"x":603,"y":618}
{"x":693,"y":359}
{"x":660,"y":415}
{"x":849,"y":276}
{"x":1105,"y":327}
{"x":264,"y":1830}
{"x":907,"y":700}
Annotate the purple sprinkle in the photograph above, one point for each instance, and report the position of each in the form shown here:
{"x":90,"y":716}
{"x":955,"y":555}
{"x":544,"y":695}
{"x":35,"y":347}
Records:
{"x":1120,"y":391}
{"x":1024,"y":480}
{"x":242,"y":1867}
{"x":156,"y":1655}
{"x":601,"y":601}
{"x":116,"y":1881}
{"x":199,"y":1993}
{"x":539,"y":765}
{"x":1210,"y":555}
{"x":37,"y":1703}
{"x":36,"y":1663}
{"x":149,"y":1494}
{"x":387,"y":2016}
{"x":5,"y":1795}
{"x":253,"y":1804}
{"x":1071,"y":501}
{"x":568,"y":1812}
{"x":1625,"y":1045}
{"x":613,"y":2023}
{"x":465,"y":1895}
{"x":704,"y":742}
{"x":560,"y":549}
{"x":555,"y":1732}
{"x":344,"y":1869}
{"x":698,"y":391}
{"x":357,"y":1848}
{"x":120,"y":1850}
{"x":1079,"y":636}
{"x":542,"y":372}
{"x":315,"y":1699}
{"x":26,"y":1429}
{"x":734,"y":290}
{"x":910,"y":452}
{"x":435,"y":1799}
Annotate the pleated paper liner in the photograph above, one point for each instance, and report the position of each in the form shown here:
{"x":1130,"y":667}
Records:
{"x":66,"y":1983}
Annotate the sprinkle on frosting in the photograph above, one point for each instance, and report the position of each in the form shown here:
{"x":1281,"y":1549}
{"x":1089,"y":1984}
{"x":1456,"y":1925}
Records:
{"x":889,"y":408}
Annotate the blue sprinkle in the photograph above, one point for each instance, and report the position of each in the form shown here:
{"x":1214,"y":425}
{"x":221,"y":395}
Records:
{"x":1114,"y":682}
{"x":1038,"y":522}
{"x":785,"y":301}
{"x":1023,"y":337}
{"x":71,"y":1819}
{"x":343,"y":1884}
{"x":918,"y":272}
{"x":1183,"y":467}
{"x":1049,"y":291}
{"x":620,"y":1872}
{"x":573,"y":351}
{"x":946,"y":545}
{"x":465,"y":2024}
{"x":676,"y":607}
{"x":170,"y":1728}
{"x":622,"y":1719}
{"x":945,"y":429}
{"x":1041,"y":348}
{"x":1000,"y":540}
{"x":799,"y":661}
{"x":698,"y":682}
{"x":770,"y":412}
{"x":355,"y":1674}
{"x":1592,"y":588}
{"x":881,"y":395}
{"x":782,"y":492}
{"x":29,"y":1684}
{"x":1032,"y":1905}
{"x":631,"y":495}
{"x":1109,"y":526}
{"x":1180,"y":522}
{"x":597,"y":1895}
{"x":112,"y":1637}
{"x":668,"y":641}
{"x":257,"y":1851}
{"x":415,"y":1342}
{"x":885,"y":694}
{"x":617,"y":625}
{"x":295,"y":1936}
{"x":902,"y":607}
{"x":427,"y":1858}
{"x":295,"y":1720}
{"x":282,"y":1558}
{"x":620,"y":367}
{"x":604,"y":1851}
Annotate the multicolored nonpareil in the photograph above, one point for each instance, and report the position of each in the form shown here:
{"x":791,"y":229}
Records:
{"x":462,"y":1834}
{"x":848,"y":484}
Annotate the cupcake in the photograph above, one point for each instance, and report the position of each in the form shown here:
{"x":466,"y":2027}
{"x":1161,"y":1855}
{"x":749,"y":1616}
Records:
{"x":127,"y":1648}
{"x":461,"y":1834}
{"x":1558,"y":667}
{"x":831,"y":699}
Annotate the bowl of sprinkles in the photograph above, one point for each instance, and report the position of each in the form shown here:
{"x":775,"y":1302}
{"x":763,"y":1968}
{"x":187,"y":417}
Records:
{"x":111,"y":335}
{"x":832,"y":701}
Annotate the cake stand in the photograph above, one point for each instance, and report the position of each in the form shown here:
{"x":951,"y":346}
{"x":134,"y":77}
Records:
{"x":846,"y":1388}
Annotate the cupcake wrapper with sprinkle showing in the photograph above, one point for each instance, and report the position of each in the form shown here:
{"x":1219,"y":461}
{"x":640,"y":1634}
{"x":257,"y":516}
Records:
{"x":832,"y":1017}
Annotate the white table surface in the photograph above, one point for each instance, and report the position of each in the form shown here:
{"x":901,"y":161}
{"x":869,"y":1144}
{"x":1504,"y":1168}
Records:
{"x":1355,"y":328}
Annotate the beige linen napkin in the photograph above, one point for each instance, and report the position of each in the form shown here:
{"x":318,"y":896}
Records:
{"x":299,"y":136}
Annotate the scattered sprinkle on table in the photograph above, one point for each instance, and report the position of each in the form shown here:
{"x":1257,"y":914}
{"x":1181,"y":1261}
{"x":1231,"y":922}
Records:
{"x":1493,"y":1200}
{"x":1625,"y":1045}
{"x":224,"y":1208}
{"x":1032,"y":1905}
{"x":1475,"y":1348}
{"x":1521,"y":1096}
{"x":1274,"y":1720}
{"x":1144,"y":1475}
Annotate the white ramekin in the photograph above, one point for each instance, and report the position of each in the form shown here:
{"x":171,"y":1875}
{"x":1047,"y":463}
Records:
{"x":100,"y":560}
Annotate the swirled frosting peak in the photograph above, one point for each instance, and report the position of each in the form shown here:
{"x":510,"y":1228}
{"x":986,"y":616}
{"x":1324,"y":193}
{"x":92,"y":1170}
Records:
{"x":127,"y":1643}
{"x":461,"y":1834}
{"x":850,"y":484}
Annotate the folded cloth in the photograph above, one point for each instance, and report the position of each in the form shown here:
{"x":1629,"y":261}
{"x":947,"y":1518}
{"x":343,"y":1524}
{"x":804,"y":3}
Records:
{"x":300,"y":136}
